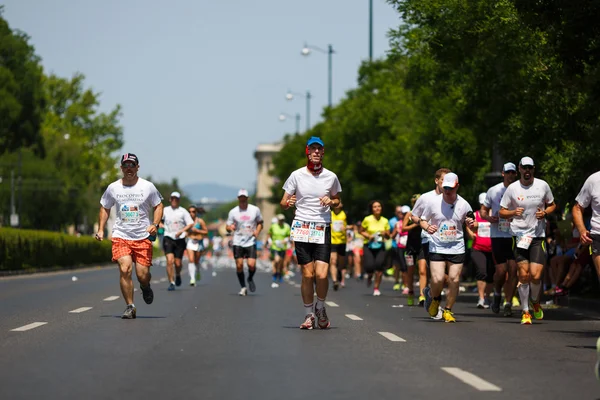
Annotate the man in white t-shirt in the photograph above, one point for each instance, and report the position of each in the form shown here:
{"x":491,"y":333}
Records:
{"x":526,"y":203}
{"x":420,"y":205}
{"x":135,"y":199}
{"x":443,"y":219}
{"x":502,"y":242}
{"x":246,"y":222}
{"x":176,"y":221}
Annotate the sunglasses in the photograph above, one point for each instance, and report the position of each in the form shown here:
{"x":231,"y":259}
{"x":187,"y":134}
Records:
{"x":510,"y":172}
{"x":128,"y":165}
{"x":527,"y":167}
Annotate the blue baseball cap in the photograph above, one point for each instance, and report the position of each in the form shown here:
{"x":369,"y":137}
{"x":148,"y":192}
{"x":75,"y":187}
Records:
{"x":315,"y":139}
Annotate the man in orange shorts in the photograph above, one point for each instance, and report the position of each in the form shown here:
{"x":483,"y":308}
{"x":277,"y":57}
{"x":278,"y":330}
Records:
{"x":135,"y":200}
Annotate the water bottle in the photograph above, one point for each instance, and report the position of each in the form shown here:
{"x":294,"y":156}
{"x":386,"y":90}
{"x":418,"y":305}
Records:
{"x":152,"y":238}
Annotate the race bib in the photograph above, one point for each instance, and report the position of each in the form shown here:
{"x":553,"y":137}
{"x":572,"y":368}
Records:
{"x":402,"y":240}
{"x":448,"y":232}
{"x":337,"y":226}
{"x":247,"y":229}
{"x":129,"y":214}
{"x":503,"y":225}
{"x":484,"y":230}
{"x":523,"y":242}
{"x":410,"y":261}
{"x":308,"y":232}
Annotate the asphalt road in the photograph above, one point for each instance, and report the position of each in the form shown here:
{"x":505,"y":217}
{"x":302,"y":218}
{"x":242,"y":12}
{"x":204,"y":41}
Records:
{"x":207,"y":342}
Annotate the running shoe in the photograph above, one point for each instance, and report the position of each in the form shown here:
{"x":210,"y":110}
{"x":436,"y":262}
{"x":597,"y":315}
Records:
{"x":538,"y":313}
{"x":171,"y":287}
{"x":515,"y":302}
{"x":243,"y":292}
{"x":496,"y":303}
{"x":427,"y":297}
{"x":597,"y":367}
{"x":481,"y":303}
{"x":192,"y":282}
{"x":390,"y":271}
{"x":508,"y":310}
{"x":309,"y":322}
{"x":449,"y":316}
{"x":322,"y":319}
{"x":348,"y":276}
{"x":343,"y":284}
{"x":405,"y":290}
{"x":376,"y":292}
{"x":129,"y":312}
{"x":439,"y":315}
{"x":274,"y":285}
{"x":147,"y":294}
{"x":421,"y":301}
{"x":561,"y":291}
{"x":178,"y":280}
{"x":434,"y":308}
{"x":251,"y":285}
{"x":396,"y":287}
{"x":526,"y":318}
{"x":336,"y":285}
{"x":410,"y":300}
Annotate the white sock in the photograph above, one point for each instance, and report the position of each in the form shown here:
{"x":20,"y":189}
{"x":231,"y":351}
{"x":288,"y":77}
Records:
{"x":524,"y":296}
{"x":132,"y":305}
{"x":308,"y":309}
{"x":192,"y":270}
{"x":320,"y":303}
{"x":535,"y":291}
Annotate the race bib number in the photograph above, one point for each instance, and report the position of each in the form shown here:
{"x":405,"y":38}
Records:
{"x":410,"y":261}
{"x":448,"y":232}
{"x":129,"y":214}
{"x":503,"y":225}
{"x":484,"y":230}
{"x":402,"y":240}
{"x":337,"y":226}
{"x":523,"y":242}
{"x":308,"y":232}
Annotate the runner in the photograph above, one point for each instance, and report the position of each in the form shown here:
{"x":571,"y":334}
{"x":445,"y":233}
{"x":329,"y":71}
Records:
{"x":245,"y":221}
{"x":420,"y":205}
{"x":135,"y":199}
{"x":413,"y":248}
{"x":527,"y":202}
{"x":176,"y":221}
{"x":443,"y":219}
{"x":279,"y":234}
{"x":313,"y":190}
{"x":339,"y":222}
{"x":195,"y":244}
{"x":481,"y":255}
{"x":375,"y":229}
{"x":398,"y":256}
{"x":349,"y":252}
{"x":358,"y":251}
{"x":502,"y":241}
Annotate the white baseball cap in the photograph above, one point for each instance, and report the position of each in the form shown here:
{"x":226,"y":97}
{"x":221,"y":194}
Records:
{"x":509,"y":167}
{"x":274,"y":220}
{"x":527,"y":161}
{"x":450,"y":180}
{"x":242,"y":192}
{"x":405,"y":209}
{"x":482,"y":197}
{"x":176,"y":194}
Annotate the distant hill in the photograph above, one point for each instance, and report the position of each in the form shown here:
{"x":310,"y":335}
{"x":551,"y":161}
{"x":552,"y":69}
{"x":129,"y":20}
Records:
{"x":214,"y":191}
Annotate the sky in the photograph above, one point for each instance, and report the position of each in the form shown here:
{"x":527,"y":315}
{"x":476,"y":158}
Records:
{"x":201,"y":82}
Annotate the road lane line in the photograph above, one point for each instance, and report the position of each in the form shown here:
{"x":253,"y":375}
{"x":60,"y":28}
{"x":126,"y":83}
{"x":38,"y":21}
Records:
{"x":111,"y":298}
{"x":28,"y":327}
{"x":80,"y":310}
{"x":472,"y":380}
{"x":155,"y":282}
{"x":163,"y":279}
{"x":354,"y":317}
{"x":331,"y":304}
{"x":391,"y":337}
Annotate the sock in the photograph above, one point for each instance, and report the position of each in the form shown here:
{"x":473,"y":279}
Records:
{"x":274,"y":276}
{"x":240,"y":276}
{"x":308,"y":309}
{"x":447,"y":308}
{"x":251,"y":272}
{"x":535,"y":292}
{"x":524,"y":296}
{"x":320,"y":303}
{"x":192,"y":270}
{"x":132,"y":305}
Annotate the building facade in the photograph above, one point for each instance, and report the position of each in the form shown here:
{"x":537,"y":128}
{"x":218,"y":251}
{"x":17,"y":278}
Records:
{"x":264,"y":181}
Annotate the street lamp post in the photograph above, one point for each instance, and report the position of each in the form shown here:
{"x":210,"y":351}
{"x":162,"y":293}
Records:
{"x":371,"y":30}
{"x":284,"y":116}
{"x":290,"y":96}
{"x":306,"y":50}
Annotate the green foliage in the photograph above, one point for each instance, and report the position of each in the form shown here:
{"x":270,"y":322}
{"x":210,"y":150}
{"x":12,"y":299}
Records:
{"x":21,"y":249}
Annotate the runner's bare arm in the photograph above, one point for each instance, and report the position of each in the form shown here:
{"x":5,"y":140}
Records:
{"x":158,"y":214}
{"x":485,"y":214}
{"x":507,"y":214}
{"x":287,"y":201}
{"x":584,"y":234}
{"x":259,"y":228}
{"x":102,"y":218}
{"x":550,"y":207}
{"x":405,"y":226}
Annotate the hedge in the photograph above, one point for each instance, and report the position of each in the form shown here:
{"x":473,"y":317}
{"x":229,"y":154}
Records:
{"x":29,"y":249}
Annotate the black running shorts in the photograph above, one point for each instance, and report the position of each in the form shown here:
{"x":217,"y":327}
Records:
{"x":398,"y":259}
{"x":484,"y":265}
{"x":244,"y":252}
{"x":536,"y":253}
{"x":595,"y":244}
{"x":340,"y":249}
{"x":309,"y":252}
{"x":451,"y":258}
{"x":174,"y":246}
{"x":424,"y":252}
{"x":502,"y":249}
{"x":374,"y":259}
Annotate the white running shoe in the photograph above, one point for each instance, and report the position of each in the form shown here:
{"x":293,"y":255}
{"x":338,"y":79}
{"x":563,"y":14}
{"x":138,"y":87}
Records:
{"x":376,"y":292}
{"x":243,"y":292}
{"x":274,"y":285}
{"x":440,"y":314}
{"x":192,"y":282}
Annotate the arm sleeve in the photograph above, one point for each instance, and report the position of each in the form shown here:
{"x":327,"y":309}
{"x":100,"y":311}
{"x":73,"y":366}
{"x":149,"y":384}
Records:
{"x":584,"y":197}
{"x":506,"y":198}
{"x":290,"y":185}
{"x":107,"y":200}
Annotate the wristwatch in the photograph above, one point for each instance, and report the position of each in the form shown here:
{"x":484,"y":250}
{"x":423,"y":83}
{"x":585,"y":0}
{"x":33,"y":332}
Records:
{"x":156,"y":225}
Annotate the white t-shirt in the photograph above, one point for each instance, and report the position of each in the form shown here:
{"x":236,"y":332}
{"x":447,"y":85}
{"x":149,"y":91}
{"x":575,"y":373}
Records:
{"x":308,"y":189}
{"x":501,"y":229}
{"x":419,"y":208}
{"x":245,"y":222}
{"x":134,"y":205}
{"x":590,"y":194}
{"x":531,"y":197}
{"x":449,"y":218}
{"x":174,"y":220}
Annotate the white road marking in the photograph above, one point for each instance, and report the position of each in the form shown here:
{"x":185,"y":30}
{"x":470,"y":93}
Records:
{"x":28,"y":327}
{"x":472,"y":380}
{"x":391,"y":337}
{"x":397,"y":306}
{"x":80,"y":310}
{"x":155,"y":282}
{"x":297,"y":285}
{"x":163,"y":279}
{"x":111,"y":298}
{"x":354,"y":317}
{"x":331,"y":304}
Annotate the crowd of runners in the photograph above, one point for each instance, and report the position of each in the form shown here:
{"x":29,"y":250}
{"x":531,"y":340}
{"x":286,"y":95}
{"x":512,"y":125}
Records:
{"x":516,"y":252}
